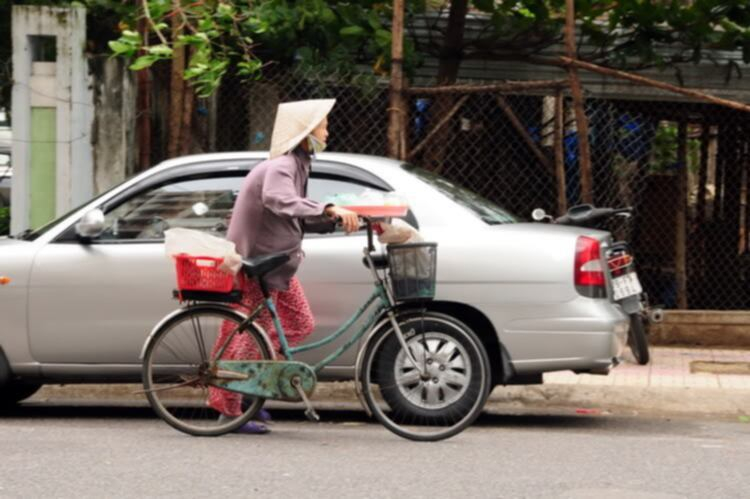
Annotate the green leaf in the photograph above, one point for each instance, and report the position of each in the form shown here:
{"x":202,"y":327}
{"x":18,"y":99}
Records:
{"x":161,"y":51}
{"x":373,"y":19}
{"x":143,"y":62}
{"x":197,"y":39}
{"x":383,"y":38}
{"x":132,"y":36}
{"x":352,"y":31}
{"x":249,"y":68}
{"x":122,"y":48}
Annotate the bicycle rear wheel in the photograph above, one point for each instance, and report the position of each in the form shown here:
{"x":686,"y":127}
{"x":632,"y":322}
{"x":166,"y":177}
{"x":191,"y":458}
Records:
{"x":446,"y":397}
{"x":177,"y":370}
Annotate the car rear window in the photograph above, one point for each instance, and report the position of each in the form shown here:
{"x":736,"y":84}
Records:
{"x":485,"y":209}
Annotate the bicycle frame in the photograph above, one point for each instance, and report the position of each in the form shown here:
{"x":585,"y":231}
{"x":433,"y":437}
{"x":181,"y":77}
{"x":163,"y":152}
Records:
{"x":384,"y":304}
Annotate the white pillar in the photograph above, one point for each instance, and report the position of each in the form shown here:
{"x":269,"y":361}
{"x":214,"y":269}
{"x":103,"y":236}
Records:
{"x":63,"y":84}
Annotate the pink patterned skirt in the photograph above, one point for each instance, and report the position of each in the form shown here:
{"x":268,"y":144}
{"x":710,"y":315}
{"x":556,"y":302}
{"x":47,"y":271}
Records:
{"x":296,"y":319}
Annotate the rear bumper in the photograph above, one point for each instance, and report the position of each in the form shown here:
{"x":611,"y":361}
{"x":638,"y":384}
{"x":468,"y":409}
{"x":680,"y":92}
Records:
{"x":593,"y":340}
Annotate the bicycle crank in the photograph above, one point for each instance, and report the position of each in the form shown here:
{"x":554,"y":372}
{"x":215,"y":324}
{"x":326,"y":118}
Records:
{"x":270,"y":379}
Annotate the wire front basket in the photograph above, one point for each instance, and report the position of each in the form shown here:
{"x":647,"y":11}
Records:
{"x":412,"y":269}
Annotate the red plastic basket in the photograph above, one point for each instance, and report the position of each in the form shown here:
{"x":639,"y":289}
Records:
{"x":201,"y":273}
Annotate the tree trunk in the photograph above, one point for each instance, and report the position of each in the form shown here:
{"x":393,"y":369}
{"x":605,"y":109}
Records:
{"x":450,"y":62}
{"x":143,"y":110}
{"x":186,"y":126}
{"x":176,"y":93}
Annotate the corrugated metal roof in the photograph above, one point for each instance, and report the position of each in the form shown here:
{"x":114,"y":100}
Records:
{"x":709,"y":75}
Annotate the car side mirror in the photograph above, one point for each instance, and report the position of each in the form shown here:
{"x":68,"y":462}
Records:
{"x":539,"y":215}
{"x":91,"y":224}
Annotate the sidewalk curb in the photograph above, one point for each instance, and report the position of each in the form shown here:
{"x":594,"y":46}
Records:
{"x":587,"y":399}
{"x":684,"y":401}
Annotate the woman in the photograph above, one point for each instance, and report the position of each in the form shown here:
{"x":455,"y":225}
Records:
{"x":267,"y":218}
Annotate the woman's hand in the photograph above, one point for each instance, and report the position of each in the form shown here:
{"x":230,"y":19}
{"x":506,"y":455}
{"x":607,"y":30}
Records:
{"x":349,"y":219}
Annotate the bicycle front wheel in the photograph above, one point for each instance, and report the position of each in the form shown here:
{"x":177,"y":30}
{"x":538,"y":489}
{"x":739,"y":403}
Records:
{"x":439,"y":398}
{"x":178,"y":370}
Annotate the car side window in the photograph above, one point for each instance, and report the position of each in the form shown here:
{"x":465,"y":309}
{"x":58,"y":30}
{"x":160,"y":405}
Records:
{"x":203,"y":204}
{"x":322,"y":187}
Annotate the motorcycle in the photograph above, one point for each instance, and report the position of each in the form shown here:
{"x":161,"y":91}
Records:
{"x":626,"y":286}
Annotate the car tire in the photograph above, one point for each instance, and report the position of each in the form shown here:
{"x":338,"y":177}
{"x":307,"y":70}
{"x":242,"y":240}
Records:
{"x":386,"y":366}
{"x":15,"y":392}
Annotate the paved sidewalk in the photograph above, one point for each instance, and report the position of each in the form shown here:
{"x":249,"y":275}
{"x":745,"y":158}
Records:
{"x":670,"y":385}
{"x":665,"y":387}
{"x":669,"y":367}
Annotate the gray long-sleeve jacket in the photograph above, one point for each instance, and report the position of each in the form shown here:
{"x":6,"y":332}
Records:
{"x":266,"y":215}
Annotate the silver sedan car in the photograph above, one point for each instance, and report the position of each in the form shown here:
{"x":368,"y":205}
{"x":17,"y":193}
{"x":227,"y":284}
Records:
{"x":77,"y":309}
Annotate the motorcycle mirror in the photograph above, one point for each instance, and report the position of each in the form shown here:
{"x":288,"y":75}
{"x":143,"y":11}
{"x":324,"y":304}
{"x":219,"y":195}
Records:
{"x":539,"y":214}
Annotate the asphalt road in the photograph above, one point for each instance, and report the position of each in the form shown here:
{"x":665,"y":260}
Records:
{"x":85,"y":450}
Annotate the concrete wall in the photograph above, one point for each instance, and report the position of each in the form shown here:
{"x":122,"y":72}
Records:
{"x":714,"y":328}
{"x":113,"y":137}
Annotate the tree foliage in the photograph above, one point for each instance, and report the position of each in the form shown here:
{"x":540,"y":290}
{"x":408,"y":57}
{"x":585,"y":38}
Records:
{"x":247,"y":34}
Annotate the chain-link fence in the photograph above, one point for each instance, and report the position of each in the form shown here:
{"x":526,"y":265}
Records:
{"x":502,"y":147}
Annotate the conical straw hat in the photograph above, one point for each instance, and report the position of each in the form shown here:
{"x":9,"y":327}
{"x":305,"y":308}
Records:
{"x":295,"y":121}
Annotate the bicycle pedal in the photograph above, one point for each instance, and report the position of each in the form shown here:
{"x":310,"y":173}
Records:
{"x":312,"y":415}
{"x":310,"y":411}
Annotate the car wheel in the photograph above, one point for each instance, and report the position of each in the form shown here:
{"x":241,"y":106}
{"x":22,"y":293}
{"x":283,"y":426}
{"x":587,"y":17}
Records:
{"x":12,"y":393}
{"x":444,"y":400}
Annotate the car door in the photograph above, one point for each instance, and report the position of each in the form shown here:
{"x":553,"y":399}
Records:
{"x":336,"y":282}
{"x":96,"y":302}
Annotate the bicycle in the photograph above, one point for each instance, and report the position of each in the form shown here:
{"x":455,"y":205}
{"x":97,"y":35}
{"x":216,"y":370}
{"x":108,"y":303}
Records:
{"x":424,"y":375}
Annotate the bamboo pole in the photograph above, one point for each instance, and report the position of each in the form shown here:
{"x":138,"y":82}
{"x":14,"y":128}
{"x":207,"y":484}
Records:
{"x":516,"y":123}
{"x":506,"y":87}
{"x":681,"y":218}
{"x":559,"y":137}
{"x":438,"y":127}
{"x":582,"y":124}
{"x":397,"y":110}
{"x":566,"y":61}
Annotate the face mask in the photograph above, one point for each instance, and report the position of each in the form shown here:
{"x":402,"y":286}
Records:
{"x":316,"y":146}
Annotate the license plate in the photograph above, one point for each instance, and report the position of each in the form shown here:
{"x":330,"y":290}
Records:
{"x":626,"y":285}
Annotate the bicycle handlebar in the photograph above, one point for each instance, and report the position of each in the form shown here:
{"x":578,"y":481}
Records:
{"x":367,"y":222}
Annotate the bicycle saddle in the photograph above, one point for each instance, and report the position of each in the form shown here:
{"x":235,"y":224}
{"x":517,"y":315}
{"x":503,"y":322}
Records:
{"x":261,"y":265}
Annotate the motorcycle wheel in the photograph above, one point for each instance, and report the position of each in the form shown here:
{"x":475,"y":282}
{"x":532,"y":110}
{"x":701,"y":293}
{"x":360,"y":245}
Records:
{"x":637,"y":340}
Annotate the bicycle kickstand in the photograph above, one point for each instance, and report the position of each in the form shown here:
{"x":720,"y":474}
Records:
{"x":310,"y":411}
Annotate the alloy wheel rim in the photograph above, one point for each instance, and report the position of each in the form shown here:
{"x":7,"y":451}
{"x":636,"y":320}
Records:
{"x":447,"y":371}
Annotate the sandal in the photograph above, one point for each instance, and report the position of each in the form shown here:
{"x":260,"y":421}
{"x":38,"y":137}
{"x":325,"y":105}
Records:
{"x":253,"y":428}
{"x":264,"y":416}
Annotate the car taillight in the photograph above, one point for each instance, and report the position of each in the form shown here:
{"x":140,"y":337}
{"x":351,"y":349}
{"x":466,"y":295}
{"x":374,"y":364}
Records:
{"x":589,"y":271}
